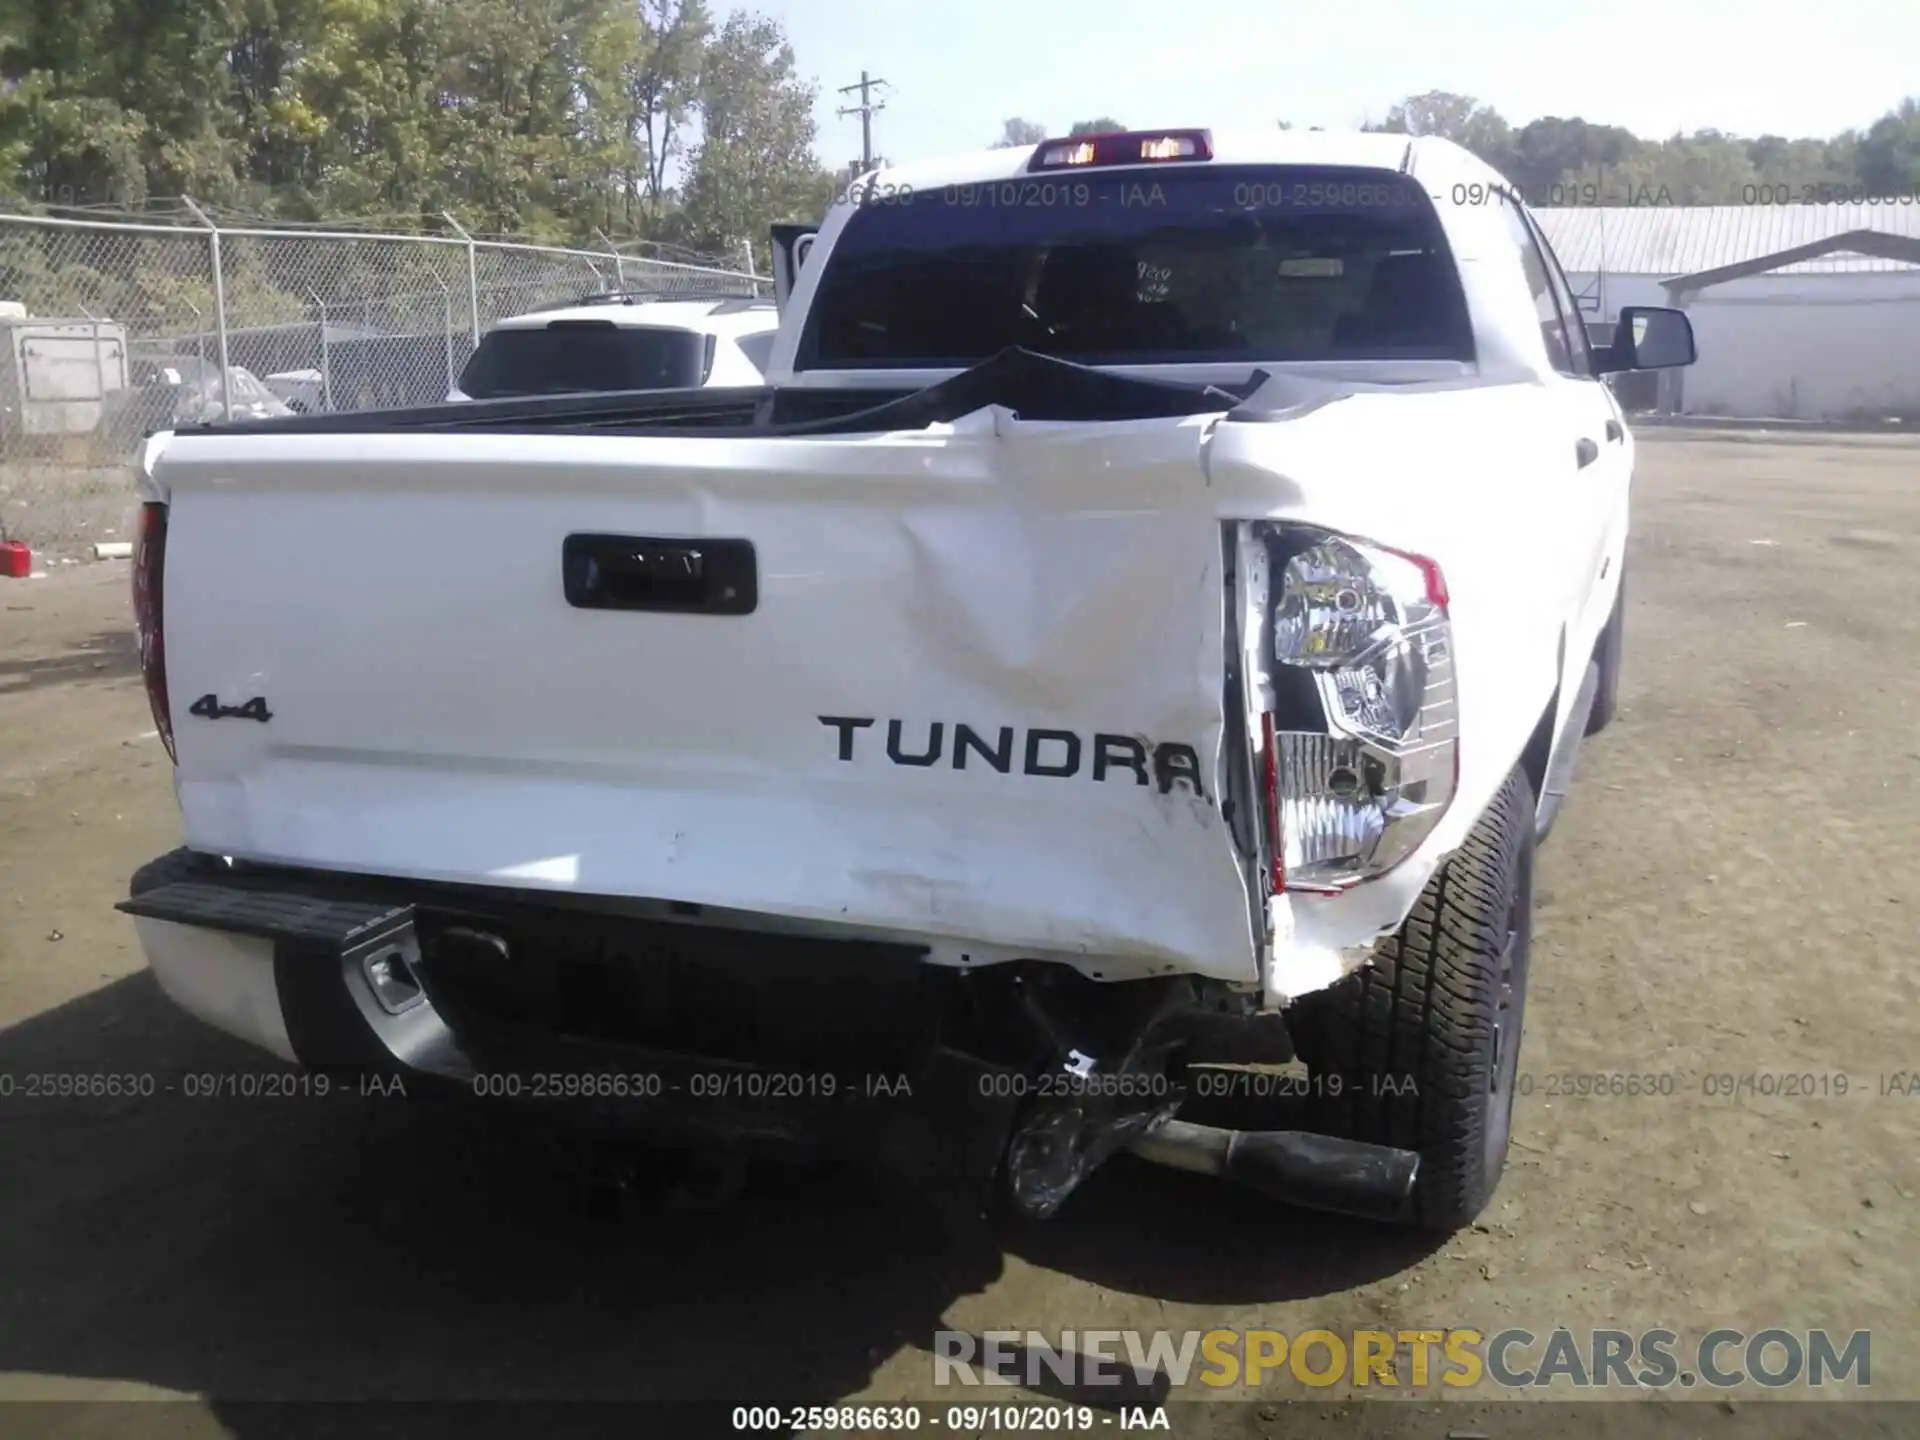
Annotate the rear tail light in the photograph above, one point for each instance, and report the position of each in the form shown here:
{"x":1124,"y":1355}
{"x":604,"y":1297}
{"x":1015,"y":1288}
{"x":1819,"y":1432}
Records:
{"x":1126,"y":147}
{"x":149,"y":571}
{"x":1354,"y":788}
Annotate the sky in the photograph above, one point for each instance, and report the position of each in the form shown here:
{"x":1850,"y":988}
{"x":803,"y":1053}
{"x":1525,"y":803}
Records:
{"x":959,"y":68}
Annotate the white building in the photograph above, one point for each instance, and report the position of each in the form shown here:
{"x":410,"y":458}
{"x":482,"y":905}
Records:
{"x":1807,"y":312}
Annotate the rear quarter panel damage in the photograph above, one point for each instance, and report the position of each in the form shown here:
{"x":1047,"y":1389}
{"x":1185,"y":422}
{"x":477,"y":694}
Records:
{"x":1465,"y":476}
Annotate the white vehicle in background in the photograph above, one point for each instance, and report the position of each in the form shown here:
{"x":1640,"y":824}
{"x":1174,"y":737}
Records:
{"x":304,"y":392}
{"x":1103,"y":691}
{"x":169,"y":391}
{"x":622,"y":341}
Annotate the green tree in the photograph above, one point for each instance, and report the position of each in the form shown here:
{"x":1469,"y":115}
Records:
{"x":173,"y":63}
{"x":564,"y":119}
{"x":66,"y":114}
{"x":1017,"y":132}
{"x":1459,"y":118}
{"x":1548,"y":154}
{"x":267,"y":42}
{"x":1786,"y":168}
{"x":553,"y":118}
{"x":1889,"y":153}
{"x":754,"y":161}
{"x":1705,"y":168}
{"x":663,"y":87}
{"x":364,"y":113}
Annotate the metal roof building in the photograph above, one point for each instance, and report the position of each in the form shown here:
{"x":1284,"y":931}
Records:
{"x":1800,"y":311}
{"x":1645,"y":240}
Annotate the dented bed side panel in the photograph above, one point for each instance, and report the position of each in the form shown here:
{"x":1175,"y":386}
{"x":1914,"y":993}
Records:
{"x":1477,"y":478}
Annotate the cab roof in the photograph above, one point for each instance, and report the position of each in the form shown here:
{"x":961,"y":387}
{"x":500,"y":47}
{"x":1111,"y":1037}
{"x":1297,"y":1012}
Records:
{"x":1436,"y":162}
{"x":707,"y":315}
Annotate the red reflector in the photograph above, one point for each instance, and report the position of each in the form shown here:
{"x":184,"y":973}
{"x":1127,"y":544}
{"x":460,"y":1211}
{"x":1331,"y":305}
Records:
{"x":149,"y":573}
{"x":1125,"y":147}
{"x":16,"y":559}
{"x":1430,"y":569}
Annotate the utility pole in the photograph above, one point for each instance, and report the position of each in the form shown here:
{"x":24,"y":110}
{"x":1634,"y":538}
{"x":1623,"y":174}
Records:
{"x":865,"y":110}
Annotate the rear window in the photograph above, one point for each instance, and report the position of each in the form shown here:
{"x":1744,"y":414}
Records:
{"x":575,"y":355}
{"x":1184,"y":264}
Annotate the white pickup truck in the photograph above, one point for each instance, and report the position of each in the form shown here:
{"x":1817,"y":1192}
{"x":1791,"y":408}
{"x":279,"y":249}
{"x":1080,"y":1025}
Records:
{"x":1102,"y":693}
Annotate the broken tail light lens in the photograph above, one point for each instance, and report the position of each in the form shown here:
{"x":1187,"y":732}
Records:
{"x":149,"y":573}
{"x":1369,"y":627}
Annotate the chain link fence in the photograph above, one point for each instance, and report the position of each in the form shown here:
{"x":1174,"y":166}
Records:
{"x":114,"y":328}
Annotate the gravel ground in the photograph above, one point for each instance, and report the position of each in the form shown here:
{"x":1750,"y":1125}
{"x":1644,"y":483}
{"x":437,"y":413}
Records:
{"x":62,"y":511}
{"x":1727,"y":894}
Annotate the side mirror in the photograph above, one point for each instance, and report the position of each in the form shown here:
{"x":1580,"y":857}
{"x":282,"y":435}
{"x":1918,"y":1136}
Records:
{"x":1648,"y":337}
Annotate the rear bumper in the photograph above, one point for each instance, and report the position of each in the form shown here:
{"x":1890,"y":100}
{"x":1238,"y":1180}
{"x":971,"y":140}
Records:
{"x":1023,"y":1077}
{"x":224,"y":979}
{"x":293,"y":963}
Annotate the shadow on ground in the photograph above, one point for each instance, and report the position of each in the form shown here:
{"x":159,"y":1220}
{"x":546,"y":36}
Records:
{"x":104,"y":655}
{"x":360,"y":1248}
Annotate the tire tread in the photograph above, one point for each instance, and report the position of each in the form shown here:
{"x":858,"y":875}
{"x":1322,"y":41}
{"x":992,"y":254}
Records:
{"x":1422,"y":1011}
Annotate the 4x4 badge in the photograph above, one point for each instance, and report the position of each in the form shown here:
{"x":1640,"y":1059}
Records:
{"x":208,"y":707}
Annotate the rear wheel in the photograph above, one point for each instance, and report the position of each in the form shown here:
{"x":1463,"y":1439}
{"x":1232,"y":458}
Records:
{"x":1421,"y":1049}
{"x":1607,"y":655}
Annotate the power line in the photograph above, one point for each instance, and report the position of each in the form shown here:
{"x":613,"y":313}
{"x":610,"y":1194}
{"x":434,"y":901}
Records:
{"x":865,"y":110}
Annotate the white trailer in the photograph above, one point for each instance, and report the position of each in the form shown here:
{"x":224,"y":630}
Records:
{"x":56,"y":374}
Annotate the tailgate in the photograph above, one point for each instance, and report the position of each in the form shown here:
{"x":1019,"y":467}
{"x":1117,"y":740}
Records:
{"x":963,"y":683}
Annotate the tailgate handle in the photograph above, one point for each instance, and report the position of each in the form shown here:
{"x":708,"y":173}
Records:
{"x":668,"y":576}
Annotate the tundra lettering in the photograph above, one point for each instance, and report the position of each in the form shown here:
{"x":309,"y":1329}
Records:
{"x":1055,"y":753}
{"x":1000,"y":757}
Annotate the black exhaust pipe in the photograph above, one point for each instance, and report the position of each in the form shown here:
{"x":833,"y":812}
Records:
{"x":1315,"y":1172}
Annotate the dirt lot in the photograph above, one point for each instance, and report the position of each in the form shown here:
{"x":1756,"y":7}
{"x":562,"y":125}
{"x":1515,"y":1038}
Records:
{"x":62,"y":510}
{"x":1730,"y":893}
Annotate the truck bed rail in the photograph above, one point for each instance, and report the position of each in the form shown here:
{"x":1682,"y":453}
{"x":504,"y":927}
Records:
{"x":1038,"y":386}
